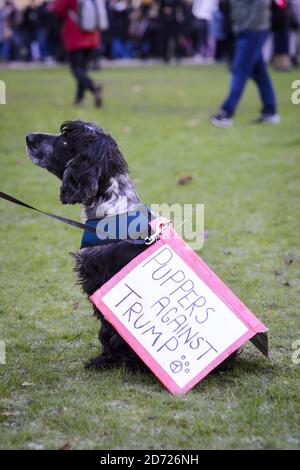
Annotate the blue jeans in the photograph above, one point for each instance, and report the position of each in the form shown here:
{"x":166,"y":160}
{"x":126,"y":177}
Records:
{"x":248,"y":63}
{"x":121,"y":49}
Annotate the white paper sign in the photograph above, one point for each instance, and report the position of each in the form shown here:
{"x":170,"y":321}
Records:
{"x":171,"y":317}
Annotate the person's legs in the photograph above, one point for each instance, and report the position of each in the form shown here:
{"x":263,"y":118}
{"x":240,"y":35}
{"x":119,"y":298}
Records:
{"x":248,"y":50}
{"x":42,"y":41}
{"x":78,"y":62}
{"x":17,"y":44}
{"x":263,"y":81}
{"x":94,"y":87}
{"x":201,"y":31}
{"x":128,"y":49}
{"x":165,"y":36}
{"x":6,"y":50}
{"x":116,"y":48}
{"x":205,"y":38}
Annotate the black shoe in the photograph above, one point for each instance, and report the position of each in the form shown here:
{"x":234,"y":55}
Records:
{"x":98,"y":96}
{"x":268,"y":119}
{"x":222,"y":120}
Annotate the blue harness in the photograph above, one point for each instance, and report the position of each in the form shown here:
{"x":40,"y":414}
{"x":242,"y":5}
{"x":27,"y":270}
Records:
{"x":132,"y":227}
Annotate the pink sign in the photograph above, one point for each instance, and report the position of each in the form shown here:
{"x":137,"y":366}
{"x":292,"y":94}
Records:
{"x":176,"y":314}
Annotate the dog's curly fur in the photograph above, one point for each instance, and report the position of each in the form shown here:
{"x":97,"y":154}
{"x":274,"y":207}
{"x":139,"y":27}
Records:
{"x":94,"y":173}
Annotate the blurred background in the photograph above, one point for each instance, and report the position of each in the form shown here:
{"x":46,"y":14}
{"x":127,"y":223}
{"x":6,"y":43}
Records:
{"x":148,"y":30}
{"x":247,"y":177}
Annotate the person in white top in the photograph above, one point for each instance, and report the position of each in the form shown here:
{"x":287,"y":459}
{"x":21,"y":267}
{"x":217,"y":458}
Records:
{"x":203,"y":11}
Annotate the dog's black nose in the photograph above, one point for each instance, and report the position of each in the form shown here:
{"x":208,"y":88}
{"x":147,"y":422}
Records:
{"x":29,"y":139}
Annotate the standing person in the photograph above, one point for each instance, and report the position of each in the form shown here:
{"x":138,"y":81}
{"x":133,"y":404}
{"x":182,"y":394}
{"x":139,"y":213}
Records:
{"x":223,"y":33}
{"x":121,"y":46}
{"x":2,"y":28}
{"x":10,"y":19}
{"x":30,"y":27}
{"x":5,"y":33}
{"x":251,"y":21}
{"x":171,"y":19}
{"x":42,"y":31}
{"x":80,"y":46}
{"x":203,"y":11}
{"x":295,"y":35}
{"x":281,"y":22}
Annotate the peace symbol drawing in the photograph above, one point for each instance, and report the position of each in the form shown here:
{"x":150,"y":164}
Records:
{"x":177,"y":366}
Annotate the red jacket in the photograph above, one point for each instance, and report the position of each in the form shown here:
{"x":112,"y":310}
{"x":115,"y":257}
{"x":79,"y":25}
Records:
{"x":73,"y":36}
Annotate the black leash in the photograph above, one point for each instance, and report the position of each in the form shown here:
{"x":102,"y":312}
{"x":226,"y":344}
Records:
{"x":74,"y":223}
{"x":90,"y":226}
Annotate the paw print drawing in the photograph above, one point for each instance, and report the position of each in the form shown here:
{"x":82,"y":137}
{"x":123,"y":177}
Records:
{"x":177,"y":366}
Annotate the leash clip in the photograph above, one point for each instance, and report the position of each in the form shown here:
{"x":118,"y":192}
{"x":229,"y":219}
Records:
{"x":156,"y":235}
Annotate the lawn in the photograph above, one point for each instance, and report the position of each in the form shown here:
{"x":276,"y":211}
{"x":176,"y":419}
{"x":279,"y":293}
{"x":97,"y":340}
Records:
{"x":248,"y":179}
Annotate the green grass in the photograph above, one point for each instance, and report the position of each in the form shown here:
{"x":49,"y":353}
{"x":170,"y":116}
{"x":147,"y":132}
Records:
{"x":248,"y":179}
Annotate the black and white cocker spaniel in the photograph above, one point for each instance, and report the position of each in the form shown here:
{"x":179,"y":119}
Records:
{"x":94,"y":173}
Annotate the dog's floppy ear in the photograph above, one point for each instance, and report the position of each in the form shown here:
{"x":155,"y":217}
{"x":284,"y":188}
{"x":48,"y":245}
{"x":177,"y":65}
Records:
{"x":97,"y":159}
{"x":80,"y":181}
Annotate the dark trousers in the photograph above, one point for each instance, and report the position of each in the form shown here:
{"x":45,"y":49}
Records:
{"x":169,"y":41}
{"x":79,"y":60}
{"x":248,"y":63}
{"x":200,"y":28}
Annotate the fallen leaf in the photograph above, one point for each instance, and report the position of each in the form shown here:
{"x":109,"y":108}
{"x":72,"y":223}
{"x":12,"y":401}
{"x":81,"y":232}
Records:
{"x":136,"y":88}
{"x":27,"y":384}
{"x":10,"y":413}
{"x":288,"y":259}
{"x":277,"y":273}
{"x":75,"y":305}
{"x":66,"y":446}
{"x":192,"y":123}
{"x":185,"y":180}
{"x":127,"y":129}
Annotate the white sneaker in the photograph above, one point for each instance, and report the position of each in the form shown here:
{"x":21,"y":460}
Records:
{"x":221,"y":120}
{"x":268,"y":119}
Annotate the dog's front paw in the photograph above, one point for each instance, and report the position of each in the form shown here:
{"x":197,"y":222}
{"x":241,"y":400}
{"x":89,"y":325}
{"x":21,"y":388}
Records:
{"x":98,"y":362}
{"x":94,"y":363}
{"x":228,"y":364}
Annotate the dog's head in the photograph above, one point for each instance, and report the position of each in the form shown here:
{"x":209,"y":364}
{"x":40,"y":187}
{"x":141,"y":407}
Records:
{"x":83,"y":156}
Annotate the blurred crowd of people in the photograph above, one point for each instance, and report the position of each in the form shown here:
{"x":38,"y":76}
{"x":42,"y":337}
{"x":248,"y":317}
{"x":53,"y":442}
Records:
{"x":144,"y":29}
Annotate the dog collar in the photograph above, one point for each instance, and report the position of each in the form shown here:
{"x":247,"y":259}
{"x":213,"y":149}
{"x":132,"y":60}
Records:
{"x":132,"y":227}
